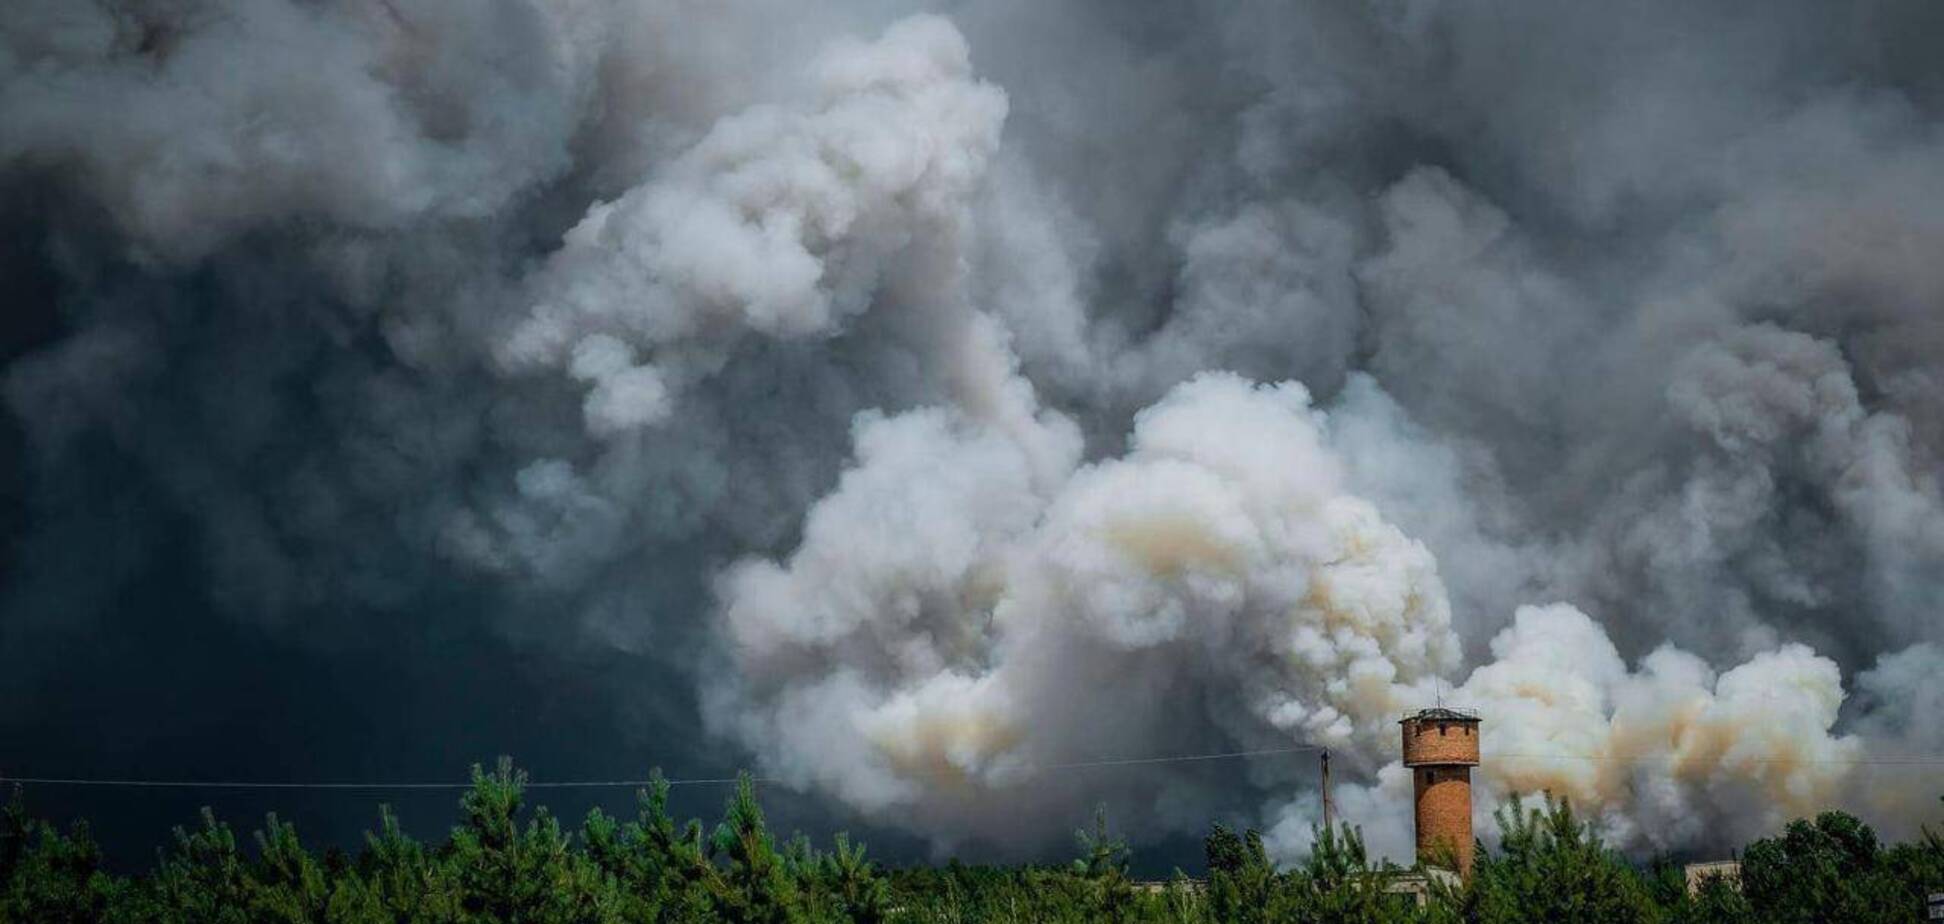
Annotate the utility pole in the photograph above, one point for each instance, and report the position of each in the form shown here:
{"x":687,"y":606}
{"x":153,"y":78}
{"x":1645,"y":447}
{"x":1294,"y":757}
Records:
{"x":1329,"y":815}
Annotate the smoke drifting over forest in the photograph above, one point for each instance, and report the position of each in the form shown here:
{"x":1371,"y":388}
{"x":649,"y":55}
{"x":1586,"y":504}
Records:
{"x":897,"y":400}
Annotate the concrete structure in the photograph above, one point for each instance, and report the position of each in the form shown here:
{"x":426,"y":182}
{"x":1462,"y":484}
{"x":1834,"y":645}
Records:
{"x":1416,"y":887}
{"x":1441,"y":747}
{"x":1728,"y":871}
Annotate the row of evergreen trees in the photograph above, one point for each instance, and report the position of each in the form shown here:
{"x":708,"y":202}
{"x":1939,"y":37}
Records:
{"x":504,"y":863}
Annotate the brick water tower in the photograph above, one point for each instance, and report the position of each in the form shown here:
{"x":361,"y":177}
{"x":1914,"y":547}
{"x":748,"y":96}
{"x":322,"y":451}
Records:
{"x":1440,"y":748}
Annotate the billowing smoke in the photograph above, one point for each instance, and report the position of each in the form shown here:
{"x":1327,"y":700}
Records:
{"x":922,"y":403}
{"x":779,"y":221}
{"x":930,"y":642}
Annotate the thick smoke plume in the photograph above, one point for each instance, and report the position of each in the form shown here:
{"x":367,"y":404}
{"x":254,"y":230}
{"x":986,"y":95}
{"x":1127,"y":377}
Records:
{"x":921,"y":402}
{"x":925,"y":645}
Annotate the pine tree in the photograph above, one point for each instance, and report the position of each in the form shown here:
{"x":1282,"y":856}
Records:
{"x":756,"y":886}
{"x":204,"y":880}
{"x":1551,"y":867}
{"x":1103,"y":868}
{"x":508,"y":874}
{"x":47,"y":876}
{"x":853,"y":880}
{"x":287,"y":885}
{"x":396,"y":882}
{"x":1241,"y":880}
{"x":1338,"y":885}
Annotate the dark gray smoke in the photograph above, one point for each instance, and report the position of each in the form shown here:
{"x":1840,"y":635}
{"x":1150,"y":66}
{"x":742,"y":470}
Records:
{"x":865,"y":393}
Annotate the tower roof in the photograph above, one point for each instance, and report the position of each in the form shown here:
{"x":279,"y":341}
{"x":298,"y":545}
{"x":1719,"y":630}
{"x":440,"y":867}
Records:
{"x":1443,"y":714}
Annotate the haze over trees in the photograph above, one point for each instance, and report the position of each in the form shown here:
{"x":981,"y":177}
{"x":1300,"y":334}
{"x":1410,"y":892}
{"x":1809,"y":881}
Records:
{"x":509,"y":862}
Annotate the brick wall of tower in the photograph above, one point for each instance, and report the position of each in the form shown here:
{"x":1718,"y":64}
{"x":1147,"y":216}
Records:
{"x":1440,"y":741}
{"x":1444,"y":820}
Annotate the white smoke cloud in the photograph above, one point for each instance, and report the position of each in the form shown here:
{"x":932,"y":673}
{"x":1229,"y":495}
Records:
{"x":1668,"y":754}
{"x":1446,"y":493}
{"x":946,"y":626}
{"x":950,"y":621}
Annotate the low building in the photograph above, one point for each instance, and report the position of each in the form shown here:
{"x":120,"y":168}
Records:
{"x":1418,"y":884}
{"x":1728,"y":871}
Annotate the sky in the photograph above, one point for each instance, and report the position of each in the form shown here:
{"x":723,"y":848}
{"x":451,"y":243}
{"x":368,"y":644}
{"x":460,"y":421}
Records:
{"x":900,"y":399}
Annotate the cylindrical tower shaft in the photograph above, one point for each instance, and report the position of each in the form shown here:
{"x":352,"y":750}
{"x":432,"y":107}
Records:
{"x":1444,"y":823}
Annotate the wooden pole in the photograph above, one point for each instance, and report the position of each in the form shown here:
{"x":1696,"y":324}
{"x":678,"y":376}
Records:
{"x":1328,"y":814}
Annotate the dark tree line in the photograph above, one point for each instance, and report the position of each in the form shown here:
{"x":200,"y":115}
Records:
{"x":507,"y":863}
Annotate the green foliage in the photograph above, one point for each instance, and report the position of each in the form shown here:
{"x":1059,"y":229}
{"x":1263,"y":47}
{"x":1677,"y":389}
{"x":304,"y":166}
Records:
{"x":1101,"y":872}
{"x":521,"y":874}
{"x":49,"y":876}
{"x":1552,"y":867}
{"x":856,"y":891}
{"x":395,"y":881}
{"x":1833,"y":869}
{"x":1241,"y":880}
{"x":204,"y":880}
{"x":757,"y":885}
{"x":289,"y":885}
{"x":1338,"y":885}
{"x":506,"y":863}
{"x":1717,"y":902}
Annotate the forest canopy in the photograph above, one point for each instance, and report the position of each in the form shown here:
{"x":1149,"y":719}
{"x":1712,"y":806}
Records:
{"x":512,"y":862}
